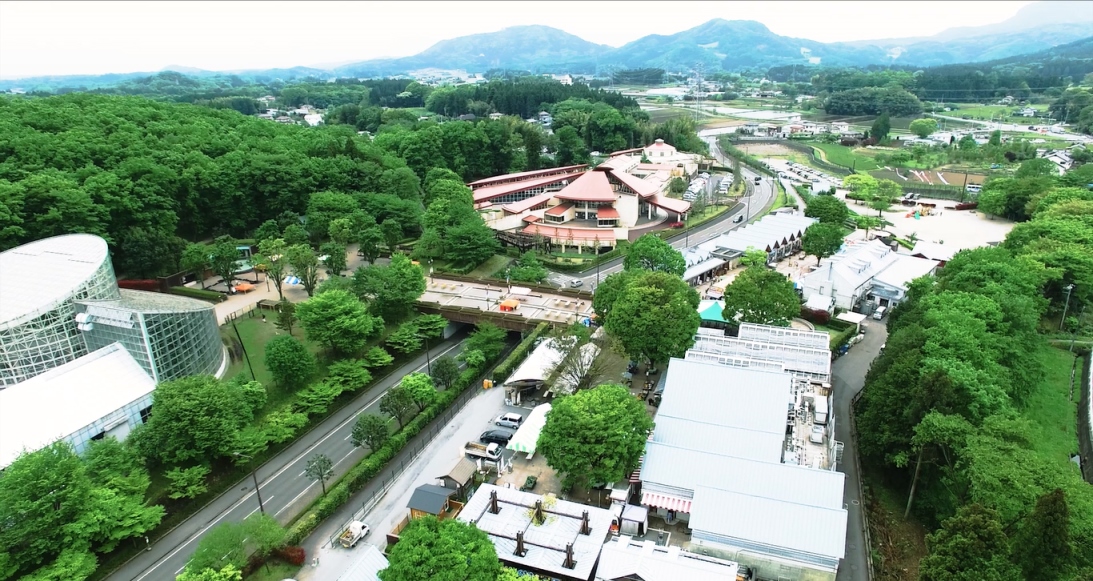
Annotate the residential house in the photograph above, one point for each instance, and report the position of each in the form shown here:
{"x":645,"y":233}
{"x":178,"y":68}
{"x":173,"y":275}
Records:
{"x":313,"y":119}
{"x":430,"y":499}
{"x":839,"y":127}
{"x":1007,"y":100}
{"x":460,"y":476}
{"x":1028,"y":112}
{"x":496,"y":116}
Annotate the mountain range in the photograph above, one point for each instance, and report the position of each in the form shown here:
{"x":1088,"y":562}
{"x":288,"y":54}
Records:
{"x":738,"y":44}
{"x":718,"y":44}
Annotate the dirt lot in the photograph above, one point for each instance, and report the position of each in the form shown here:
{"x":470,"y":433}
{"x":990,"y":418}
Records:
{"x":766,"y":149}
{"x":963,"y":229}
{"x":904,"y":175}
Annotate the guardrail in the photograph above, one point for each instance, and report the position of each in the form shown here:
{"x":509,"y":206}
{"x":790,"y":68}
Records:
{"x":1085,"y":418}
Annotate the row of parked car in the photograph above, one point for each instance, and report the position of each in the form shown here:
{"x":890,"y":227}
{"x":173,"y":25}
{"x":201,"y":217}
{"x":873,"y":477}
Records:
{"x":502,"y":437}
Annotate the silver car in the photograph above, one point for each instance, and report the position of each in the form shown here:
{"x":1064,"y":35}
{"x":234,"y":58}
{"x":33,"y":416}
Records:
{"x":509,"y":420}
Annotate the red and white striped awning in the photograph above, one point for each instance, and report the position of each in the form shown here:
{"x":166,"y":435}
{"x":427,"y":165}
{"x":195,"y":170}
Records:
{"x":666,"y":502}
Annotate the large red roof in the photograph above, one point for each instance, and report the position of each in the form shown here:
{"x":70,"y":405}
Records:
{"x":592,"y":186}
{"x":526,"y":175}
{"x":642,"y":187}
{"x":607,"y":213}
{"x":488,"y":192}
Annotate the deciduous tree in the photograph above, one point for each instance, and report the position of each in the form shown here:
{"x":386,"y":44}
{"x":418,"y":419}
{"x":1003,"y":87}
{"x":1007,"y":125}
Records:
{"x":651,"y":253}
{"x":761,"y":295}
{"x":827,"y":209}
{"x":923,"y":127}
{"x":370,"y":430}
{"x":1043,"y":547}
{"x":305,"y":265}
{"x":970,"y":546}
{"x":596,"y":435}
{"x":655,"y":317}
{"x":487,"y":338}
{"x":320,"y":467}
{"x":396,"y":403}
{"x":822,"y":240}
{"x":289,"y":361}
{"x":187,"y":482}
{"x":392,"y":289}
{"x":420,"y":388}
{"x":448,"y":550}
{"x":338,"y":321}
{"x":445,"y":371}
{"x":273,"y":256}
{"x":195,"y":259}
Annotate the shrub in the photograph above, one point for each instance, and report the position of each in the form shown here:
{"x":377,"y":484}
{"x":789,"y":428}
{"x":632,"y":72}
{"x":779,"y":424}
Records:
{"x":197,"y":293}
{"x":816,"y":316}
{"x":292,"y":555}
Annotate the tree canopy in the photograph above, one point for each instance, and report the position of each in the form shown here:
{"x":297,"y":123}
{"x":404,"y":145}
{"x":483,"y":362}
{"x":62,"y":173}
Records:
{"x":761,"y":295}
{"x":596,"y":435}
{"x":338,"y":321}
{"x":654,"y":317}
{"x":448,"y":550}
{"x":650,"y":252}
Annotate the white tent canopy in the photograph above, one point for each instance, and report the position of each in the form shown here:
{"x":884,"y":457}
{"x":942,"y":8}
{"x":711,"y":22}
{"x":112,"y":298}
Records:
{"x":527,"y":437}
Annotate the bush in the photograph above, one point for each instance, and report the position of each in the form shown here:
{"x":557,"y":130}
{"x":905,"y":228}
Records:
{"x":197,"y":293}
{"x":292,"y":555}
{"x":815,"y":316}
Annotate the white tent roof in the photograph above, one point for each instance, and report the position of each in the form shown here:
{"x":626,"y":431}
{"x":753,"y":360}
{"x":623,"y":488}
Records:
{"x":537,"y":365}
{"x":527,"y":437}
{"x":819,"y":302}
{"x":849,"y":317}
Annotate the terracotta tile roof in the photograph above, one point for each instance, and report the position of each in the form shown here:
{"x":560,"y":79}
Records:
{"x":522,"y":205}
{"x":592,"y":186}
{"x":487,"y":192}
{"x":607,"y":213}
{"x":558,"y":210}
{"x":531,"y":218}
{"x":526,"y":174}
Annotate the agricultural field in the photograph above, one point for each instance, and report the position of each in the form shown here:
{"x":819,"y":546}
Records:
{"x":1003,"y":112}
{"x":937,"y":178}
{"x":846,"y":156}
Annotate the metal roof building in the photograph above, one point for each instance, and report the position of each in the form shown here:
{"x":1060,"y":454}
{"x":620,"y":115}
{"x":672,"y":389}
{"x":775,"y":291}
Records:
{"x":804,"y":362}
{"x":734,"y":523}
{"x":704,"y":392}
{"x":784,"y":335}
{"x":728,"y":440}
{"x":544,"y":545}
{"x":105,"y":393}
{"x":39,"y":283}
{"x":625,"y":558}
{"x":367,"y":567}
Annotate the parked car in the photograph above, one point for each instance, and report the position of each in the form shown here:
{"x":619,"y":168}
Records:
{"x":495,"y":437}
{"x":509,"y":420}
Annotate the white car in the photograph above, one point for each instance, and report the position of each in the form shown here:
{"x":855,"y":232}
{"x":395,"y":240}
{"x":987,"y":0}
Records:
{"x":509,"y":420}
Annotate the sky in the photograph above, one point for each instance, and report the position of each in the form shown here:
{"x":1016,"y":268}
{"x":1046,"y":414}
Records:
{"x":69,"y":38}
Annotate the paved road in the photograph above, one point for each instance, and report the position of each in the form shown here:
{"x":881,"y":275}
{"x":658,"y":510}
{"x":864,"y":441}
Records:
{"x":284,"y":490}
{"x":1017,"y":128}
{"x":758,"y":197}
{"x":849,"y":377}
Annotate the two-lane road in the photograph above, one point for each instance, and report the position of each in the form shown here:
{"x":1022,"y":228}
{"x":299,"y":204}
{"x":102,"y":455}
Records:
{"x":283,"y":487}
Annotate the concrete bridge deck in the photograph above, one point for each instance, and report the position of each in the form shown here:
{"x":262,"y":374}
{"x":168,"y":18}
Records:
{"x":534,"y":306}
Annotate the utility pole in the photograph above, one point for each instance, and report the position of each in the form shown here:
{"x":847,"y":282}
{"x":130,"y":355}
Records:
{"x":1068,"y":288}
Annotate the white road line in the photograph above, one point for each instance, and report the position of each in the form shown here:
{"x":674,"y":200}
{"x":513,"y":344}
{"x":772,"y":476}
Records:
{"x":293,"y":501}
{"x":346,"y":456}
{"x":273,"y":476}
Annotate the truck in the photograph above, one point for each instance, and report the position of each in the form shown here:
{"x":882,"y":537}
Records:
{"x":484,"y":451}
{"x":355,"y":532}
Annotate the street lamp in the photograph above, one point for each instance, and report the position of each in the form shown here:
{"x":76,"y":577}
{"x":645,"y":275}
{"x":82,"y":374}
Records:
{"x":254,"y":475}
{"x":1068,"y":288}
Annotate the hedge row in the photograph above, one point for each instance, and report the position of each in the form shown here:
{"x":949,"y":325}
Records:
{"x":196,"y":293}
{"x":360,"y":475}
{"x":506,"y":367}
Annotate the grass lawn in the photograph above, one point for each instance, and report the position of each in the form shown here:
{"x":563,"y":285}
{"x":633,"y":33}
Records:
{"x":255,"y":334}
{"x":711,"y":213}
{"x":986,"y":112}
{"x":278,"y":570}
{"x":494,"y":264}
{"x":845,"y":156}
{"x":1050,"y":410}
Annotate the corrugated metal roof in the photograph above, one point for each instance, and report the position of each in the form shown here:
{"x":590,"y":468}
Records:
{"x":717,"y":394}
{"x":367,"y":567}
{"x":727,"y":440}
{"x":790,"y":525}
{"x":784,"y":335}
{"x":626,"y":557}
{"x":685,"y":469}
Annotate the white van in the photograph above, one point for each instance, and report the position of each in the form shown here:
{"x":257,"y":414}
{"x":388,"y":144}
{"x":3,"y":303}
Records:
{"x":879,"y":313}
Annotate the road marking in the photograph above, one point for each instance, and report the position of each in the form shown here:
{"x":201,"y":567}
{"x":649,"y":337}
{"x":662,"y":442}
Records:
{"x":293,"y":501}
{"x":346,"y":456}
{"x":287,"y":465}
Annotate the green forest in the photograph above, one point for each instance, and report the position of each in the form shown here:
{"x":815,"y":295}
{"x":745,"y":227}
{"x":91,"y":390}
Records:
{"x":951,"y":413}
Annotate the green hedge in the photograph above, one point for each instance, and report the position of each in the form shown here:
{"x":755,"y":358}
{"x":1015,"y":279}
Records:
{"x":842,"y":337}
{"x":196,"y":293}
{"x":506,"y":367}
{"x":360,"y":475}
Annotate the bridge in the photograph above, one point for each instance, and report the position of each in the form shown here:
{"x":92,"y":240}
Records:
{"x":518,"y":307}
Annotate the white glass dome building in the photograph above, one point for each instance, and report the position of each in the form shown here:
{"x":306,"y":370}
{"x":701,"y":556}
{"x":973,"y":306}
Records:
{"x":39,"y":284}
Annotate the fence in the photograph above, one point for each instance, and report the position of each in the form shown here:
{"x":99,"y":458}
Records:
{"x":1085,"y":418}
{"x":861,"y":488}
{"x":388,"y":478}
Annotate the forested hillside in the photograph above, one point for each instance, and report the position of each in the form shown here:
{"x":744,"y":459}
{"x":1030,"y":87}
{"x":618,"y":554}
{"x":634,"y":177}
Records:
{"x":950,"y":408}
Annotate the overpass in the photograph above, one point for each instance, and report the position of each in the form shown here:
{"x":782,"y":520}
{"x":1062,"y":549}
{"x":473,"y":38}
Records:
{"x":518,"y":307}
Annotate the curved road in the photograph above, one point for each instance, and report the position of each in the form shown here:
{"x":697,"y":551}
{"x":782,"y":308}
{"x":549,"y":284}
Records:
{"x":758,"y":197}
{"x":284,"y":489}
